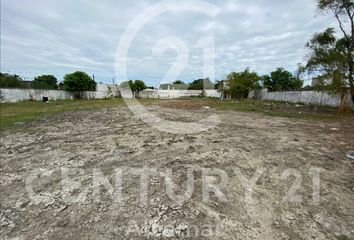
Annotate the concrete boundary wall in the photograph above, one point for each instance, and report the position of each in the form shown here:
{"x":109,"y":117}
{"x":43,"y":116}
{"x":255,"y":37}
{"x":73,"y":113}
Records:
{"x":15,"y":94}
{"x":103,"y":91}
{"x":309,"y":97}
{"x":170,"y":94}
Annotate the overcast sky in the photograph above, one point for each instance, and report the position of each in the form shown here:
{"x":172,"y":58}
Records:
{"x":62,"y":36}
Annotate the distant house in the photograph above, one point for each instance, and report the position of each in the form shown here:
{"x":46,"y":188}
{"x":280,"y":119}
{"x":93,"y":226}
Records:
{"x":168,"y":86}
{"x":224,"y":85}
{"x":224,"y":88}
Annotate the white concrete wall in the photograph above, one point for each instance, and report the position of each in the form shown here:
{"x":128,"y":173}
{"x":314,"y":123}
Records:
{"x":310,"y":97}
{"x":103,"y":91}
{"x":213,"y":93}
{"x":14,"y":94}
{"x":170,"y":94}
{"x":106,"y":91}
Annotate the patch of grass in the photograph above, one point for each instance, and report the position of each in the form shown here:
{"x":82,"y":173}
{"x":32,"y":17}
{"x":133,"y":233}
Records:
{"x":12,"y":114}
{"x":268,"y":108}
{"x":20,"y":112}
{"x":279,"y":109}
{"x":343,"y":237}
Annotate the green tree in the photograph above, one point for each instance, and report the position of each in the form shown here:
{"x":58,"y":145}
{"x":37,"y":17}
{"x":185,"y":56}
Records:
{"x":125,"y":84}
{"x":217,"y":85}
{"x":61,"y":86}
{"x":282,"y":80}
{"x":11,"y":81}
{"x":132,"y":86}
{"x":135,"y":86}
{"x":343,"y":11}
{"x":241,"y":83}
{"x":79,"y":82}
{"x":196,"y":85}
{"x":201,"y":84}
{"x":178,"y":82}
{"x":44,"y":82}
{"x":327,"y":57}
{"x":139,"y":85}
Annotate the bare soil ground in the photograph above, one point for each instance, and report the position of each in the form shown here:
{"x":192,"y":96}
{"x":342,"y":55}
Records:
{"x":112,"y":138}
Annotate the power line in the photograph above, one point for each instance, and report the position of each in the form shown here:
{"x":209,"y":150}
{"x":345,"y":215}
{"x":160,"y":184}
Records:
{"x":16,"y":27}
{"x":61,"y":35}
{"x":35,"y":74}
{"x":50,"y":40}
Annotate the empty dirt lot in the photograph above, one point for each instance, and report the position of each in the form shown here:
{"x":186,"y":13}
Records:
{"x":36,"y":204}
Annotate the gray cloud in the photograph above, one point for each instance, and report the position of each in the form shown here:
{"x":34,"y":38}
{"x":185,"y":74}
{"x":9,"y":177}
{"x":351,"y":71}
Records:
{"x":57,"y":37}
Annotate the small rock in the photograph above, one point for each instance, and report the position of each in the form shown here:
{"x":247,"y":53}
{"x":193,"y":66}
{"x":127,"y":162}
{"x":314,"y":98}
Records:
{"x":182,"y":226}
{"x":168,"y":232}
{"x":155,"y":228}
{"x":62,"y":222}
{"x":191,"y":149}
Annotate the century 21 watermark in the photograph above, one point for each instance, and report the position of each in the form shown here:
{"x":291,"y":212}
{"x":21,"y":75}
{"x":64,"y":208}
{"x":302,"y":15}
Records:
{"x":79,"y":185}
